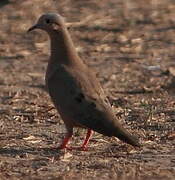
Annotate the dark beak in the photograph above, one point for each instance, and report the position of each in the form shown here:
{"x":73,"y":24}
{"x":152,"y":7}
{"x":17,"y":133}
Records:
{"x":32,"y":28}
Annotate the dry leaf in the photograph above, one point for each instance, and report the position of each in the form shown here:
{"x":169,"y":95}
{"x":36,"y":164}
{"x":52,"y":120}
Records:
{"x":32,"y":139}
{"x":103,"y":48}
{"x":66,"y":157}
{"x":172,"y":70}
{"x":149,"y":142}
{"x":171,"y":136}
{"x":24,"y":53}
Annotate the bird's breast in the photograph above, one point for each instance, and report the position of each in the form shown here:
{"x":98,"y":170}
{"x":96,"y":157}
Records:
{"x":62,"y":88}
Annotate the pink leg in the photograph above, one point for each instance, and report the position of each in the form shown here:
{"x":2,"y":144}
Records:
{"x":86,"y":141}
{"x":66,"y":140}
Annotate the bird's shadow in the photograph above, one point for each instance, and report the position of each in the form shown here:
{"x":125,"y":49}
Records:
{"x":46,"y":152}
{"x":23,"y":151}
{"x":57,"y":154}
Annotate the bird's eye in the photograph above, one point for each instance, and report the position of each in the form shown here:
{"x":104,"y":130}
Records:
{"x":47,"y":21}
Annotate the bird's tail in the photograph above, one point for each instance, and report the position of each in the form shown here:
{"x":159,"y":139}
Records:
{"x":125,"y":136}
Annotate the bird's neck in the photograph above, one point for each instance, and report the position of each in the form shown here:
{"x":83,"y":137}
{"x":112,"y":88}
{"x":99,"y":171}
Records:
{"x":62,"y":48}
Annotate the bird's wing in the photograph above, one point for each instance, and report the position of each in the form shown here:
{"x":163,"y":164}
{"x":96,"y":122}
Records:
{"x":82,"y":99}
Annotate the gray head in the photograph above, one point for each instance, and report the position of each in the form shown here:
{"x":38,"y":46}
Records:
{"x":49,"y":22}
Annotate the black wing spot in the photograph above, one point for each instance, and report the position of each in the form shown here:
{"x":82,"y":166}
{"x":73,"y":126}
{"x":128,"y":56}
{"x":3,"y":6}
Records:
{"x":79,"y":98}
{"x":48,"y":21}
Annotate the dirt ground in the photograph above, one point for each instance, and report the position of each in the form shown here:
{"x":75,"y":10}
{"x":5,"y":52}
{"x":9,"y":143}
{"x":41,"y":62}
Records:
{"x":131,"y":46}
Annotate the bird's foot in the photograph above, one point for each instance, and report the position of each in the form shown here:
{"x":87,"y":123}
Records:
{"x":66,"y":148}
{"x":83,"y":148}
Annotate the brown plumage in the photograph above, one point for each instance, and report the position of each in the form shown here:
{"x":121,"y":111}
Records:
{"x":74,"y":89}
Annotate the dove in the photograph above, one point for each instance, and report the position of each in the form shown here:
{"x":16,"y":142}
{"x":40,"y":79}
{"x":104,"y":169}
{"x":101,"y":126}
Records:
{"x":74,"y":89}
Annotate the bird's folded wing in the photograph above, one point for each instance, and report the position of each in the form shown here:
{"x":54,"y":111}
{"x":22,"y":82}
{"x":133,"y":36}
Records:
{"x":83,"y":99}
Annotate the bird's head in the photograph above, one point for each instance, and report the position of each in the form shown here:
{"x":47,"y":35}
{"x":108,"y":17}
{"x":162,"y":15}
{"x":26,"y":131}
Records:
{"x":49,"y":22}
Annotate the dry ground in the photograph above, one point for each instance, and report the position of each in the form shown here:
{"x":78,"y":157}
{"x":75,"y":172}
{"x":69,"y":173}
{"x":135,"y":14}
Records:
{"x":131,"y":46}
